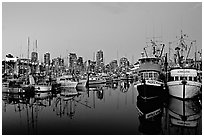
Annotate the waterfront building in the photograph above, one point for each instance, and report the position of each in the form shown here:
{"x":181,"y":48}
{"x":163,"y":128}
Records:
{"x":9,"y":65}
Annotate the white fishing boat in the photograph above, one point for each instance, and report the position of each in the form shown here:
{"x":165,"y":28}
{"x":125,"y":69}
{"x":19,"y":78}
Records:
{"x":184,"y":80}
{"x":67,"y":81}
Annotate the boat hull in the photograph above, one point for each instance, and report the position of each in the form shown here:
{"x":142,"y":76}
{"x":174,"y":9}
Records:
{"x":93,"y":82}
{"x":151,"y":89}
{"x":42,"y":88}
{"x":69,"y":84}
{"x":189,"y":90}
{"x":81,"y":83}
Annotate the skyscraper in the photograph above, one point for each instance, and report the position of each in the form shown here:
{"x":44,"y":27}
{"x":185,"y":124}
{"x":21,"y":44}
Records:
{"x":99,"y":58}
{"x":47,"y":58}
{"x":34,"y":56}
{"x":72,"y":60}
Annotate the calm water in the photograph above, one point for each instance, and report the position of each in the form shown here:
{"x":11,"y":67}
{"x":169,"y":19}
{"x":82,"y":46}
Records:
{"x":99,"y":111}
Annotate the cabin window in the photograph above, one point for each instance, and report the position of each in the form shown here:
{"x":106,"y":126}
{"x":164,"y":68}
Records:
{"x":150,"y":75}
{"x":181,"y":78}
{"x":141,"y":75}
{"x":176,"y":78}
{"x":171,"y":78}
{"x":185,"y":78}
{"x":146,"y":75}
{"x":195,"y":78}
{"x":155,"y":75}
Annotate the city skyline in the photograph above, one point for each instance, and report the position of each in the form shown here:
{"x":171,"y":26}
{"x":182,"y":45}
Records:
{"x":118,"y":29}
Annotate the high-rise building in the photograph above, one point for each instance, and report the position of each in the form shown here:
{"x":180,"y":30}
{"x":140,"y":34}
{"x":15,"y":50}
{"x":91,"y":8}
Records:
{"x":34,"y":56}
{"x":47,"y":58}
{"x":72,"y":60}
{"x":99,"y":58}
{"x":113,"y":65}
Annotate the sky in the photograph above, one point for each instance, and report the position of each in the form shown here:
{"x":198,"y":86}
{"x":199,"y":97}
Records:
{"x":119,"y":29}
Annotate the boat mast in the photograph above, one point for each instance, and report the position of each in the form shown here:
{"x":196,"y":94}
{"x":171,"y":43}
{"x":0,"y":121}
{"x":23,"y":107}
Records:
{"x":28,"y":46}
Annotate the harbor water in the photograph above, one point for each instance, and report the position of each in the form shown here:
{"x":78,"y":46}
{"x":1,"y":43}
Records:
{"x":100,"y":110}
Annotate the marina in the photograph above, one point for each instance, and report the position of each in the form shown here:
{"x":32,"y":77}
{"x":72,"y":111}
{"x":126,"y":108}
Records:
{"x":73,"y":74}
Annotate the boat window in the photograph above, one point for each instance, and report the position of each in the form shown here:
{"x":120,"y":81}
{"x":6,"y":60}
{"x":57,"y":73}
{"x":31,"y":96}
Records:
{"x":195,"y":78}
{"x":62,"y":79}
{"x":190,"y":78}
{"x":141,"y":75}
{"x":155,"y":75}
{"x":176,"y":78}
{"x":146,"y":75}
{"x":185,"y":78}
{"x":171,"y":78}
{"x":150,"y":75}
{"x":181,"y":78}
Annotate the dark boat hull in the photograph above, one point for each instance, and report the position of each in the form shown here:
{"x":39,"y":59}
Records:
{"x":150,"y":91}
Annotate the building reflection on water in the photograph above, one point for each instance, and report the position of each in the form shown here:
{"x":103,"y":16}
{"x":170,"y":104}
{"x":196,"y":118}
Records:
{"x":115,"y":108}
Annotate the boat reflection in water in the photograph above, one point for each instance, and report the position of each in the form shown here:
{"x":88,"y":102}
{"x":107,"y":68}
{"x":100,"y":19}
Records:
{"x":184,"y":115}
{"x":124,"y":86}
{"x":150,"y":114}
{"x":99,"y":93}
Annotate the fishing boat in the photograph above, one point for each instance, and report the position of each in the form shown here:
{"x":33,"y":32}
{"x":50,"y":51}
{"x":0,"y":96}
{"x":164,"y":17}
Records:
{"x":14,"y":86}
{"x":95,"y":79}
{"x":150,"y":82}
{"x":184,"y":80}
{"x":67,"y":81}
{"x":184,"y":113}
{"x":43,"y":86}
